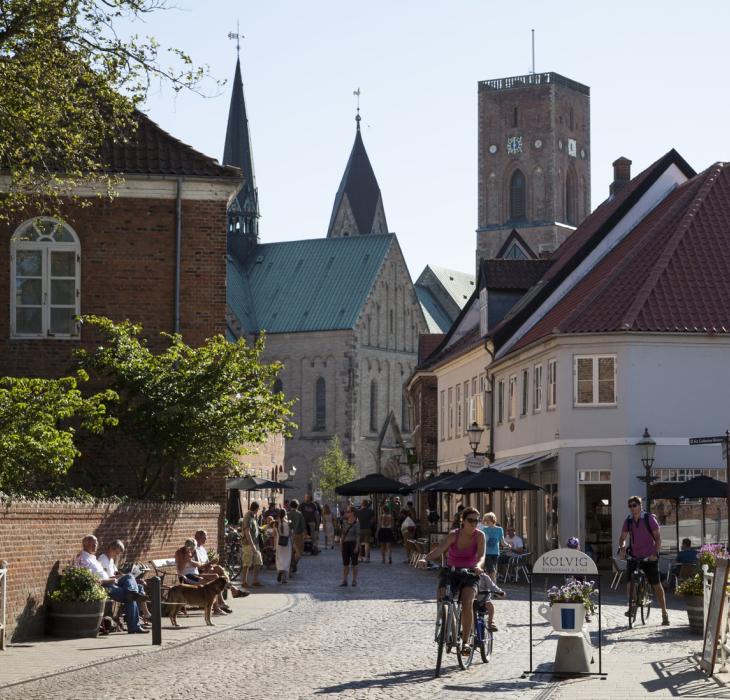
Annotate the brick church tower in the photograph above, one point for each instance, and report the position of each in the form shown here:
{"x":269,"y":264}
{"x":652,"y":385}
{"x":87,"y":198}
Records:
{"x":534,"y":163}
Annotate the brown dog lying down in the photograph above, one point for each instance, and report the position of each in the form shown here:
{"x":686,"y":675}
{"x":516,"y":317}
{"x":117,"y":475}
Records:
{"x":202,"y":596}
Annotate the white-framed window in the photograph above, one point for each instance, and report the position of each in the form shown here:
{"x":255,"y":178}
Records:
{"x":525,"y":392}
{"x":552,"y":383}
{"x":537,"y":388}
{"x":459,"y":411}
{"x":443,"y":415}
{"x":500,"y":401}
{"x":483,"y":312}
{"x":450,"y":394}
{"x":512,"y":397}
{"x":467,"y":406}
{"x":45,"y":260}
{"x":594,"y":380}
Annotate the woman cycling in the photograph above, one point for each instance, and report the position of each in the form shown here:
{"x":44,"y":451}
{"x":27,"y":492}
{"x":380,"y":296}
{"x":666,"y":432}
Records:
{"x":465,"y":549}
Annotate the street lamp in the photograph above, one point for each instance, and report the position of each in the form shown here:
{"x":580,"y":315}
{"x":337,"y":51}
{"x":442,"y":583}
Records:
{"x":647,"y":446}
{"x":475,"y":435}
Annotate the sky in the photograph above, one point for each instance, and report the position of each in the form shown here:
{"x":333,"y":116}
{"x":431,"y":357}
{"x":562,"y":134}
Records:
{"x":657,"y":73}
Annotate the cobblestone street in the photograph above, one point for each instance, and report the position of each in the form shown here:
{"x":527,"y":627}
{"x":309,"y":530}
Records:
{"x":375,"y":641}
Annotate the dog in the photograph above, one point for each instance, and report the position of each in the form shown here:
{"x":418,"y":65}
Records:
{"x":202,"y":596}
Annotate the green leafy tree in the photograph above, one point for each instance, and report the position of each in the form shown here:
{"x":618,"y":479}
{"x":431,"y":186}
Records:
{"x":334,"y":469}
{"x":71,"y":74}
{"x":190,"y":410}
{"x":37,"y":429}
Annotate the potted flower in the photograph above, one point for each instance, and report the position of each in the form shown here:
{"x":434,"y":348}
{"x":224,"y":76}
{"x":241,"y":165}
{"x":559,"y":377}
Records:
{"x":692,"y":590}
{"x":76,"y":607}
{"x":568,"y":605}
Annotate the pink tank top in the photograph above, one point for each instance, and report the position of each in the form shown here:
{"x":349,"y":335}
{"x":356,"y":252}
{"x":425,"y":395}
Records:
{"x":462,"y":558}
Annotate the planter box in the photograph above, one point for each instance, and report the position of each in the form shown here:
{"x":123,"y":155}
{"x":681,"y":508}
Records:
{"x":75,"y":619}
{"x":695,"y":613}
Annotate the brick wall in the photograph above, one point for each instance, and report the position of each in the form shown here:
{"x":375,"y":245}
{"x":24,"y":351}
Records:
{"x":38,"y":539}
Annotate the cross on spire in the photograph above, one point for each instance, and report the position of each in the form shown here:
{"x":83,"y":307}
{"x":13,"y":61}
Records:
{"x":237,"y":36}
{"x":357,"y":118}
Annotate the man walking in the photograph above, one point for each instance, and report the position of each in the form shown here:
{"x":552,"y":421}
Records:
{"x":311,"y":520}
{"x":251,"y":558}
{"x":646,"y":542}
{"x":365,"y":517}
{"x":298,"y":528}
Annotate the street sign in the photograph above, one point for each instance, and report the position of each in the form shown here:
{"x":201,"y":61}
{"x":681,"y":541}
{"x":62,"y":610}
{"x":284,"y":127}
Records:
{"x":707,"y":440}
{"x":474,"y":461}
{"x":317,"y":495}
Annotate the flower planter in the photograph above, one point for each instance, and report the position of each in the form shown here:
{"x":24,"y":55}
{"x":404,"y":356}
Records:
{"x":695,"y":613}
{"x":74,"y":618}
{"x":564,"y":617}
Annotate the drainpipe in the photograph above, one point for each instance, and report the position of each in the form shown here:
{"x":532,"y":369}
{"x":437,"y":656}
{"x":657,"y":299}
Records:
{"x":178,"y":252}
{"x":490,"y":379}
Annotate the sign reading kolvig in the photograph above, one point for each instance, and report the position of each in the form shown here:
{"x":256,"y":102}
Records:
{"x":565,"y":561}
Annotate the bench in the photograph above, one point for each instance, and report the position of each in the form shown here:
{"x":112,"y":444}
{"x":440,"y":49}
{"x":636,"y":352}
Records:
{"x":165,"y":569}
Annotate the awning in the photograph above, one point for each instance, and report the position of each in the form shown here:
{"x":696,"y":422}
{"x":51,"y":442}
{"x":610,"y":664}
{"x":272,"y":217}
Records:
{"x":522,"y":461}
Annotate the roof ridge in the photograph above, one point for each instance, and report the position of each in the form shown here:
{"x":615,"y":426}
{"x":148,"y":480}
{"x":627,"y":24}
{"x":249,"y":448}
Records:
{"x":710,"y":179}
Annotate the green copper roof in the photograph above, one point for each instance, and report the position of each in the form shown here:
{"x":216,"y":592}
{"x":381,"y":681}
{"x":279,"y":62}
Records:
{"x":311,"y":285}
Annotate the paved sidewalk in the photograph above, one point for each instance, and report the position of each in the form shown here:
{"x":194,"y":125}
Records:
{"x":49,"y":656}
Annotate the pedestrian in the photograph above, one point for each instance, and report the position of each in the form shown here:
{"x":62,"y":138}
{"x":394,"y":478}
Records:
{"x":495,"y":539}
{"x":386,"y":536}
{"x":328,"y":525}
{"x":350,"y":545}
{"x":251,"y":556}
{"x":311,"y":520}
{"x":408,"y":531}
{"x":282,"y":533}
{"x":298,"y":528}
{"x":365,"y":517}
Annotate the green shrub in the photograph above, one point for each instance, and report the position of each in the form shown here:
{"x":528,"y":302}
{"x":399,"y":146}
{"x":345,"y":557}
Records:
{"x":78,"y":585}
{"x":690,"y":586}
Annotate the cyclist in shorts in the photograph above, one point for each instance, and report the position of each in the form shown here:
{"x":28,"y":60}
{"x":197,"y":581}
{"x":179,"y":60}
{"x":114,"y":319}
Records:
{"x":646,"y":541}
{"x":465,"y":548}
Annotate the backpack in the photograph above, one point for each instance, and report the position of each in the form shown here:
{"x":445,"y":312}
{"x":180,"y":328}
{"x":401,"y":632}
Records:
{"x":645,"y":519}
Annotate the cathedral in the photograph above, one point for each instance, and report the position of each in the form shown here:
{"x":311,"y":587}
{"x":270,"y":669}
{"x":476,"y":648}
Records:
{"x":340,"y":312}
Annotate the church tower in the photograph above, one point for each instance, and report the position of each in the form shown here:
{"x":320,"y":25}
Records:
{"x":243,"y":213}
{"x":534,"y":163}
{"x":358,"y":208}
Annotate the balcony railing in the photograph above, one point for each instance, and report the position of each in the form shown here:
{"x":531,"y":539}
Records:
{"x":519,"y":81}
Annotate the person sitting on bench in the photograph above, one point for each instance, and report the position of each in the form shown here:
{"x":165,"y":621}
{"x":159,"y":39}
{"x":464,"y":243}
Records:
{"x":108,"y":561}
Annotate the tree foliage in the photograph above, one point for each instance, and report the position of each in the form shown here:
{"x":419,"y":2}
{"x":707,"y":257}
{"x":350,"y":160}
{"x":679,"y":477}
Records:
{"x":37,"y":428}
{"x":334,"y":469}
{"x":69,"y":82}
{"x":189,"y":409}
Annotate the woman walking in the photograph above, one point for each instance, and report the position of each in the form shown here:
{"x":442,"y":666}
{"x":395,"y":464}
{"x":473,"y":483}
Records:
{"x":386,"y":536}
{"x":328,"y":524}
{"x":282,"y":535}
{"x":350,"y":545}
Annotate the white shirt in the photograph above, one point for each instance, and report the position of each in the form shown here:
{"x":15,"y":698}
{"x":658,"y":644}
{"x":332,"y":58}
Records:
{"x":108,"y":565}
{"x":408,"y":522}
{"x":201,"y":555}
{"x":515,"y":542}
{"x":90,"y":562}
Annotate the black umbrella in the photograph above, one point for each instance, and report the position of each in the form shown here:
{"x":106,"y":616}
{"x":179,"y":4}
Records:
{"x":420,"y":485}
{"x":233,"y":507}
{"x":489,"y":479}
{"x":255,"y":483}
{"x":701,"y":486}
{"x":451,"y":483}
{"x":372,"y":483}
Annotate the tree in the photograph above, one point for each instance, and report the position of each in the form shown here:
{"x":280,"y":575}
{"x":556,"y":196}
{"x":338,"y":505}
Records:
{"x":190,"y":410}
{"x":37,"y":430}
{"x":69,"y":83}
{"x":334,"y":469}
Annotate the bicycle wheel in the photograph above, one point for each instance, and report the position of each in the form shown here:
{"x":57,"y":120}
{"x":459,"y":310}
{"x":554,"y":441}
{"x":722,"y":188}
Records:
{"x":633,"y":605}
{"x":465,"y":659}
{"x":644,"y":599}
{"x":441,"y":633}
{"x":483,"y":637}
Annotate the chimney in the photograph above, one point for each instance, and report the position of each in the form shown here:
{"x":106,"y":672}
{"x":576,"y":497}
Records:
{"x":621,"y":174}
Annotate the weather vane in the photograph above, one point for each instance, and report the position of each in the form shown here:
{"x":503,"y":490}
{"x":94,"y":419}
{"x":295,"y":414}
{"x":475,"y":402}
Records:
{"x":237,"y":36}
{"x":357,"y":118}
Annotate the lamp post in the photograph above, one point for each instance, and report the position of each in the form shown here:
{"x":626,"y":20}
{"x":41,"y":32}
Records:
{"x":647,"y":446}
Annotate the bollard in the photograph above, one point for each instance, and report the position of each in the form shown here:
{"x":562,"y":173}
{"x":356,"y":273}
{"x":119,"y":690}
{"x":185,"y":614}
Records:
{"x":154,"y":590}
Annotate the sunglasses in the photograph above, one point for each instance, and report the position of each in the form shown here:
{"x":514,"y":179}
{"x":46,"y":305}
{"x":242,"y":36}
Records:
{"x":472,"y":520}
{"x":633,"y":505}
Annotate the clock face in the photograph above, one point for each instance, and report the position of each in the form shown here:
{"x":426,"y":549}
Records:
{"x":538,"y":144}
{"x":493,"y":148}
{"x":514,"y":144}
{"x":572,"y":150}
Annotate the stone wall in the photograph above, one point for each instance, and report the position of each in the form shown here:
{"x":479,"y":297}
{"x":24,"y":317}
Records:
{"x":39,"y":538}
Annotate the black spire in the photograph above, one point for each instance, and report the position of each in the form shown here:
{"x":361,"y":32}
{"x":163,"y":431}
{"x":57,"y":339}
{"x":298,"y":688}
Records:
{"x":243,"y":214}
{"x":358,"y":208}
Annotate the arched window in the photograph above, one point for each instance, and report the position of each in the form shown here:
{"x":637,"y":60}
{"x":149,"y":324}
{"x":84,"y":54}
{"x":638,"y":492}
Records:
{"x":320,"y":407}
{"x":517,"y":197}
{"x":373,"y":406}
{"x":570,"y":199}
{"x":46,"y":279}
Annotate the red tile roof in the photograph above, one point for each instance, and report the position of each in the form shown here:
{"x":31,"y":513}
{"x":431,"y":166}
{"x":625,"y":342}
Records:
{"x":670,"y":274}
{"x":152,"y":151}
{"x":470,"y":340}
{"x":427,"y":343}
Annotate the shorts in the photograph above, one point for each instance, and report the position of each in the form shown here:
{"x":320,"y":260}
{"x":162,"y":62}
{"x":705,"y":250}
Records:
{"x":458,"y":579}
{"x":349,"y":553}
{"x":491,"y":561}
{"x":192,"y":579}
{"x":251,"y":556}
{"x":650,"y":568}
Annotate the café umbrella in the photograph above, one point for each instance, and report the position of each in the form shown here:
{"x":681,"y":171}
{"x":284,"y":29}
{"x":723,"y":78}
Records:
{"x":372,"y":483}
{"x":254,"y":483}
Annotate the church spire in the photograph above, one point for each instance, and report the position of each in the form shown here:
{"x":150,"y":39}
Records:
{"x":358,"y":208}
{"x":243,"y":213}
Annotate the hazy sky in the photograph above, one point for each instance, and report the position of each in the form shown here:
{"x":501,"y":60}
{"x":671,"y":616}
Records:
{"x":657,"y":73}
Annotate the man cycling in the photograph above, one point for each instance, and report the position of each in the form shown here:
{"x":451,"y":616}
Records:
{"x":465,"y":549}
{"x":645,"y":544}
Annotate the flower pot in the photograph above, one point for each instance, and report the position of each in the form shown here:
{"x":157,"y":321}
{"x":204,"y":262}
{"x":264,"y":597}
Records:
{"x":564,"y":617}
{"x":695,"y":613}
{"x":75,"y":618}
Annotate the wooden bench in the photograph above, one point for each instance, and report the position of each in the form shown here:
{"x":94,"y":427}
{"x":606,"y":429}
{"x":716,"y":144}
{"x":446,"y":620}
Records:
{"x":166,"y":569}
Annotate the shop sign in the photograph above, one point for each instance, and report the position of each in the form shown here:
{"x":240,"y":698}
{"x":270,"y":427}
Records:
{"x":565,"y":561}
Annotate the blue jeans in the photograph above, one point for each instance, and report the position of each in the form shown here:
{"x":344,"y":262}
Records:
{"x":118,"y":592}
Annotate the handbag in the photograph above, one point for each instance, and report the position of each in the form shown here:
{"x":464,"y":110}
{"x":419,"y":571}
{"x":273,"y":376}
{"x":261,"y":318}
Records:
{"x":283,"y":540}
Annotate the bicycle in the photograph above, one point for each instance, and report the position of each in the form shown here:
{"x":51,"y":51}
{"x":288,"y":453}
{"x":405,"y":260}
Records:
{"x":484,"y":638}
{"x":448,"y":634}
{"x":233,"y":553}
{"x":640,"y":598}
